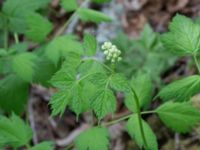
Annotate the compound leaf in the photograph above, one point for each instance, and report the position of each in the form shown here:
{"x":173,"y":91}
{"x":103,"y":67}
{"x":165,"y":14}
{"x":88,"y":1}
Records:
{"x":38,"y":27}
{"x":143,"y":87}
{"x":181,"y":117}
{"x":43,"y":146}
{"x":24,"y":64}
{"x":69,"y":5}
{"x":90,"y":44}
{"x":13,"y":94}
{"x":14,"y":131}
{"x":103,"y":102}
{"x":96,"y":138}
{"x":181,"y":90}
{"x":133,"y":128}
{"x":61,"y":47}
{"x":16,"y":12}
{"x":119,"y":82}
{"x":183,"y":38}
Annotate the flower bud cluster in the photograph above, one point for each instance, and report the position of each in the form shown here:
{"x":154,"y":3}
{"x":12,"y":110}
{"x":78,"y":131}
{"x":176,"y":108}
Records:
{"x":111,"y":52}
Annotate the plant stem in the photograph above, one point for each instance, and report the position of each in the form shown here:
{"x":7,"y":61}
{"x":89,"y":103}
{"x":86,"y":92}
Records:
{"x":118,"y":120}
{"x":196,"y":62}
{"x":148,"y":112}
{"x":16,"y":38}
{"x":65,"y":25}
{"x":139,"y":117}
{"x":5,"y":38}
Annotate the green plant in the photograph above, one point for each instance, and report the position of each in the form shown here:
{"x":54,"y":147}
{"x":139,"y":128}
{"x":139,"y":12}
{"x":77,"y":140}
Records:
{"x":19,"y":67}
{"x":88,"y":84}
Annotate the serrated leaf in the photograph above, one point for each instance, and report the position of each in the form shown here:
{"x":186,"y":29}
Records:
{"x":90,"y":67}
{"x":14,"y":131}
{"x":183,"y":37}
{"x":93,"y":139}
{"x":133,"y":128}
{"x":62,"y":79}
{"x":13,"y":94}
{"x":23,"y":65}
{"x":86,"y":14}
{"x":147,"y":42}
{"x":103,"y":102}
{"x":43,"y":146}
{"x":181,"y":90}
{"x":38,"y":27}
{"x":78,"y":103}
{"x":59,"y":101}
{"x":16,"y":12}
{"x":69,"y":5}
{"x":61,"y":47}
{"x":142,"y":85}
{"x":119,"y":82}
{"x":46,"y":70}
{"x":99,"y":79}
{"x":90,"y":44}
{"x":180,"y":117}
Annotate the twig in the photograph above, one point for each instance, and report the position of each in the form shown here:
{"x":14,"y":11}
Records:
{"x":69,"y":139}
{"x":32,"y":120}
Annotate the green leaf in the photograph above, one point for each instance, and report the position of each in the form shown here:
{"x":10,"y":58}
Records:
{"x":16,"y":12}
{"x":147,"y":42}
{"x":69,"y":5}
{"x":143,"y":87}
{"x":59,"y":101}
{"x":119,"y":82}
{"x":90,"y":44}
{"x":103,"y":103}
{"x":181,"y":117}
{"x":133,"y":128}
{"x":13,"y":94}
{"x":92,"y":15}
{"x":99,"y":79}
{"x":78,"y":103}
{"x":43,"y":146}
{"x":24,"y":64}
{"x":93,"y":139}
{"x":14,"y":132}
{"x":90,"y":67}
{"x":45,"y":69}
{"x":61,"y":47}
{"x":183,"y":37}
{"x":38,"y":27}
{"x":62,"y":79}
{"x":181,"y":90}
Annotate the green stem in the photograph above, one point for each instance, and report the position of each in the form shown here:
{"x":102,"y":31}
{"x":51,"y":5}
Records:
{"x":65,"y":25}
{"x":5,"y":38}
{"x":139,"y":117}
{"x":196,"y":62}
{"x":16,"y":38}
{"x":117,"y":121}
{"x":148,"y":112}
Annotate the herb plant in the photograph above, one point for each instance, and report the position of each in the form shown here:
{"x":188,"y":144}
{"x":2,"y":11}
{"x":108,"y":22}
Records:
{"x":90,"y":85}
{"x":85,"y":83}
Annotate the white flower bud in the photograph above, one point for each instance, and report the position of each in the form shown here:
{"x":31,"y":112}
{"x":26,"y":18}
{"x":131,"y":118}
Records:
{"x":119,"y":59}
{"x":112,"y":60}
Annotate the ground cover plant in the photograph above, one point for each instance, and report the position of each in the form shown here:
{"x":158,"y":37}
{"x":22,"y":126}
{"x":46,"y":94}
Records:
{"x":85,"y":82}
